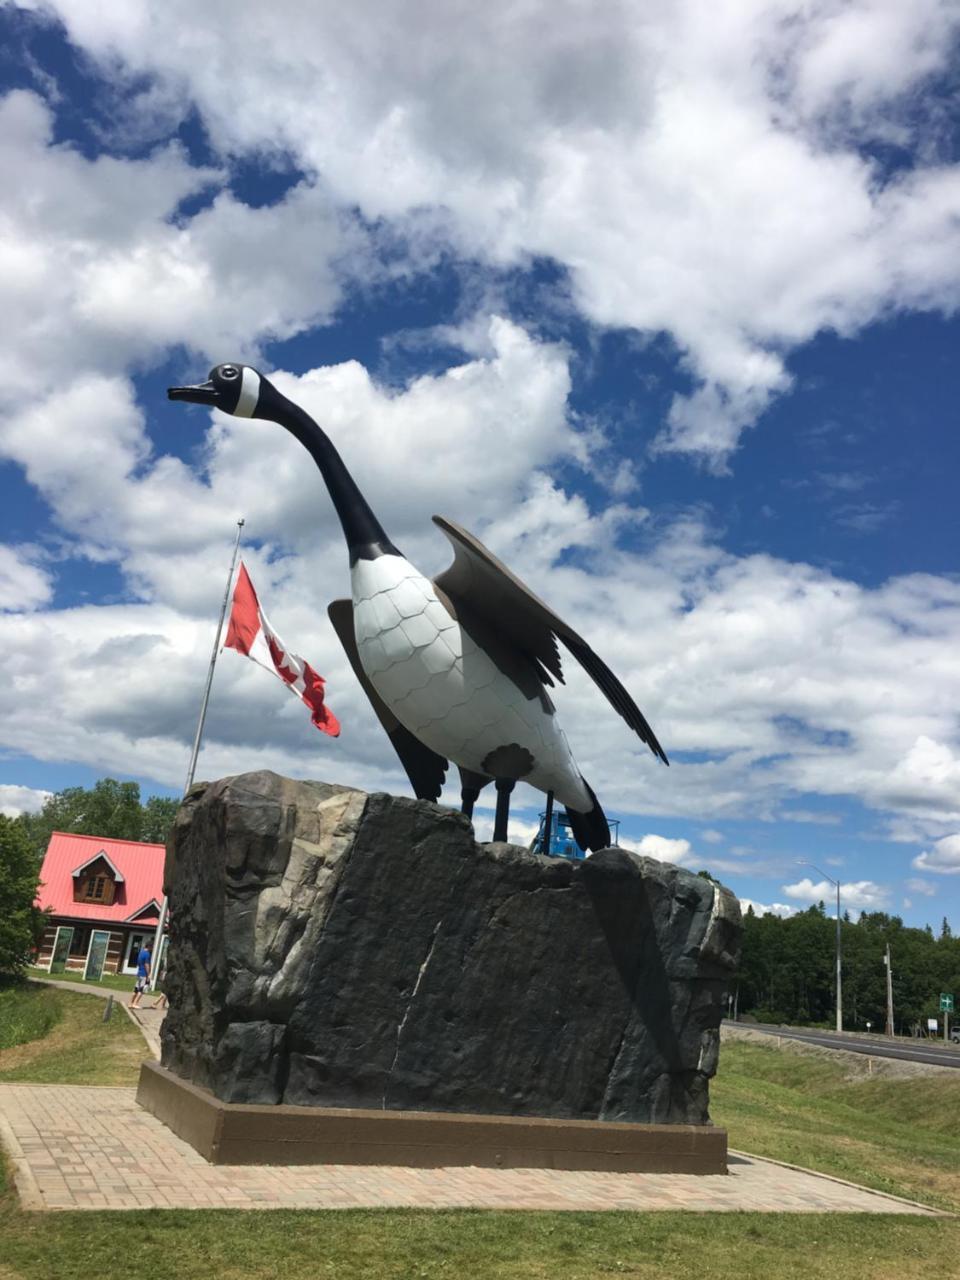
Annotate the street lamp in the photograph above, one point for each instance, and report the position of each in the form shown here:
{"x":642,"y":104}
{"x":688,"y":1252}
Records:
{"x":802,"y":862}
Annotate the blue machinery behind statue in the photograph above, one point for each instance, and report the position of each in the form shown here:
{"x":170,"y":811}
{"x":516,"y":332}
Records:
{"x":559,"y":841}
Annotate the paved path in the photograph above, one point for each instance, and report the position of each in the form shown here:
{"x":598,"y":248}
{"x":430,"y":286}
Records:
{"x":78,"y":1147}
{"x":145,"y":1018}
{"x":926,"y":1051}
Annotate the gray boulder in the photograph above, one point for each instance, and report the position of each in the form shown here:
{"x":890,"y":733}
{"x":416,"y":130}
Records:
{"x":333,"y":948}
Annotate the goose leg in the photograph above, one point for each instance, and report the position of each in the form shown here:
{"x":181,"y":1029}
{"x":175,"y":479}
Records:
{"x":471,"y":784}
{"x":547,"y":824}
{"x":468,"y":798}
{"x":504,"y":787}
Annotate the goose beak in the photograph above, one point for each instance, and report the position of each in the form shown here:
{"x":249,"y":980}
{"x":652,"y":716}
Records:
{"x":204,"y":393}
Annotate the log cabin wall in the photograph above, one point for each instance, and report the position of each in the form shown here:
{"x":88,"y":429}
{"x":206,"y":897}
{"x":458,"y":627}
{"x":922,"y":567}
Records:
{"x":116,"y":947}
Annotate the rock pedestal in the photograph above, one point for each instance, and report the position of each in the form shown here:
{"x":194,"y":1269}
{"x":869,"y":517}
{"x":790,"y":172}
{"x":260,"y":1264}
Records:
{"x":330,"y":948}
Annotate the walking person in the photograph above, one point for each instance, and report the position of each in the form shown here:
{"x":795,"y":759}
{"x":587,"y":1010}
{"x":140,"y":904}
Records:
{"x":143,"y":974}
{"x":161,"y":1000}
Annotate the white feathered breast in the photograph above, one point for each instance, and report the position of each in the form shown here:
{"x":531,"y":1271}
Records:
{"x":444,"y":688}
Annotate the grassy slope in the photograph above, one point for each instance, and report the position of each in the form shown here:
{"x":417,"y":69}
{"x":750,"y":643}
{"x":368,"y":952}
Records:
{"x":80,"y":1048}
{"x":771,"y":1099}
{"x":22,"y":1017}
{"x":901,"y":1136}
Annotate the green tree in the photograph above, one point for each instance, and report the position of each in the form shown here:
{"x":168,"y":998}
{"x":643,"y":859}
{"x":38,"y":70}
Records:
{"x":21,"y":923}
{"x":158,"y":815}
{"x":787,"y":968}
{"x":109,"y":808}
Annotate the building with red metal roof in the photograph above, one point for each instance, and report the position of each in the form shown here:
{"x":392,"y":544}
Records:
{"x":104,"y":899}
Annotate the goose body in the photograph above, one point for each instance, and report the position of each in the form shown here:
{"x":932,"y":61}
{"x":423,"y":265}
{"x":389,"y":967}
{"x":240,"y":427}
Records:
{"x":445,"y":689}
{"x":457,"y":668}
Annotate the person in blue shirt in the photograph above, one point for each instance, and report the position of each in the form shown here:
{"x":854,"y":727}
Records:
{"x":143,"y":974}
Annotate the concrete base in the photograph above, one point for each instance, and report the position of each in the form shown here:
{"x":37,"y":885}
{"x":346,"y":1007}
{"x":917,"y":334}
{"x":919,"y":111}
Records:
{"x":236,"y":1133}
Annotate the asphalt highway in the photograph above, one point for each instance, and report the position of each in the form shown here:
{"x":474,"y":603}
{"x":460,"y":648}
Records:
{"x":929,"y":1051}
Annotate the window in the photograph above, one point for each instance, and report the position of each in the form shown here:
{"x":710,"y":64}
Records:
{"x":136,"y":942}
{"x":96,"y":884}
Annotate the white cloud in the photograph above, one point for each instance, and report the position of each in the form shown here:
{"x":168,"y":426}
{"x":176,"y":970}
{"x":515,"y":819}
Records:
{"x":15,"y":800}
{"x":764,"y":909}
{"x":818,"y":817}
{"x":712,"y":837}
{"x":23,"y":584}
{"x":733,"y":659}
{"x":702,"y":175}
{"x":102,"y":271}
{"x":662,"y":848}
{"x":928,"y":776}
{"x":943,"y":858}
{"x":857,"y":894}
{"x":923,"y":887}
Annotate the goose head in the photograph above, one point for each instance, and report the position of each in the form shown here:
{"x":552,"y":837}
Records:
{"x":233,"y":388}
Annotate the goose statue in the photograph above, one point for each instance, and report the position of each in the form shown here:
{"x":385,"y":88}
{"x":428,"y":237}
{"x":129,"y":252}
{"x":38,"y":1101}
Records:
{"x":456,"y":668}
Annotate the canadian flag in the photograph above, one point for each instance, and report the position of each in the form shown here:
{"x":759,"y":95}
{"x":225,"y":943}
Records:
{"x":251,"y":634}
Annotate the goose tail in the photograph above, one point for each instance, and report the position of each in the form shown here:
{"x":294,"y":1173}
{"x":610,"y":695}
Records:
{"x":590,"y":829}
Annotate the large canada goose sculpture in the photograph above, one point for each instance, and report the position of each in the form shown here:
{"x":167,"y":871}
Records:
{"x":455,"y":668}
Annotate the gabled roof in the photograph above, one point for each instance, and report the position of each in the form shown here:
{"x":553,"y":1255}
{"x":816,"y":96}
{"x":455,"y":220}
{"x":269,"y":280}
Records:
{"x":117,"y":873}
{"x":139,"y":865}
{"x":151,"y":908}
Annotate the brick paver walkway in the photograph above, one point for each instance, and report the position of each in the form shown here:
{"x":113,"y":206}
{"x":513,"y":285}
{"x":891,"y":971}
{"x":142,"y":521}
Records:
{"x":78,"y":1147}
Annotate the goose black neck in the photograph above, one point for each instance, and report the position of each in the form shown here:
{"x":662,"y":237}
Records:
{"x":365,"y":537}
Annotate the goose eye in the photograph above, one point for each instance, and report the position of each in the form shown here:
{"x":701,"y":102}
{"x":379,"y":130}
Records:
{"x":229,"y":372}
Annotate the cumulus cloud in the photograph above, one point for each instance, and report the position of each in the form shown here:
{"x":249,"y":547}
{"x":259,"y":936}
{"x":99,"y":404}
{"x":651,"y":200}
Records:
{"x":857,"y":894}
{"x":16,"y":800}
{"x":735,"y":659}
{"x":102,"y":270}
{"x":710,"y":178}
{"x":23,"y":583}
{"x":663,"y":848}
{"x":944,"y":857}
{"x":707,"y":179}
{"x":767,"y":909}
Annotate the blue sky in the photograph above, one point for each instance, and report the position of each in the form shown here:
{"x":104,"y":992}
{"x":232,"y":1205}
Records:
{"x":664,"y":312}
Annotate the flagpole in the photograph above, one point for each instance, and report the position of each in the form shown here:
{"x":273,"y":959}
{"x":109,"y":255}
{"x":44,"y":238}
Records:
{"x":213,"y":662}
{"x":162,"y":920}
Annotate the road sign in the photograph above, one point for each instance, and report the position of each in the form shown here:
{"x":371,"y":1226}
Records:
{"x":946,"y":1003}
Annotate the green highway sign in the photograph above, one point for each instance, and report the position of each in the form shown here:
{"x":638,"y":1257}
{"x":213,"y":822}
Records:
{"x":946,"y":1003}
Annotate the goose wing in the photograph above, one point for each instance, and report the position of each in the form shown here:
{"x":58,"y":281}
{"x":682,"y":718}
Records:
{"x":487,"y":587}
{"x":425,"y":769}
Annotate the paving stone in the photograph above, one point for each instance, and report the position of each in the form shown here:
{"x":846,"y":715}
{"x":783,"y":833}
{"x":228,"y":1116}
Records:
{"x":161,"y":1171}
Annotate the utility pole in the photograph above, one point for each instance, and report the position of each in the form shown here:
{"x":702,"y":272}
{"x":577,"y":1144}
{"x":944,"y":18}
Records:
{"x":162,"y":918}
{"x":886,"y":961}
{"x":804,"y":863}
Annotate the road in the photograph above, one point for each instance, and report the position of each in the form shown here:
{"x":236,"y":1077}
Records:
{"x":928,"y":1051}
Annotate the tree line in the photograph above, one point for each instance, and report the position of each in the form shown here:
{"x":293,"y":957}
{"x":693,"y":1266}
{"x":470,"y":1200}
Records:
{"x":788,"y":965}
{"x":109,"y":808}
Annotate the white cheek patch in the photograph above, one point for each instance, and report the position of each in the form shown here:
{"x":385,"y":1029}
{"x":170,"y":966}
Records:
{"x":249,"y":394}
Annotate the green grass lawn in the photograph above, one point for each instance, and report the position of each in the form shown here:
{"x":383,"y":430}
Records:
{"x":23,"y":1018}
{"x":76,"y":1045}
{"x":111,"y":981}
{"x":900,"y":1136}
{"x":894,"y":1134}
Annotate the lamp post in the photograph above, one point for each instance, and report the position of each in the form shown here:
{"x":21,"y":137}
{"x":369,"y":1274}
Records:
{"x":836,"y":883}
